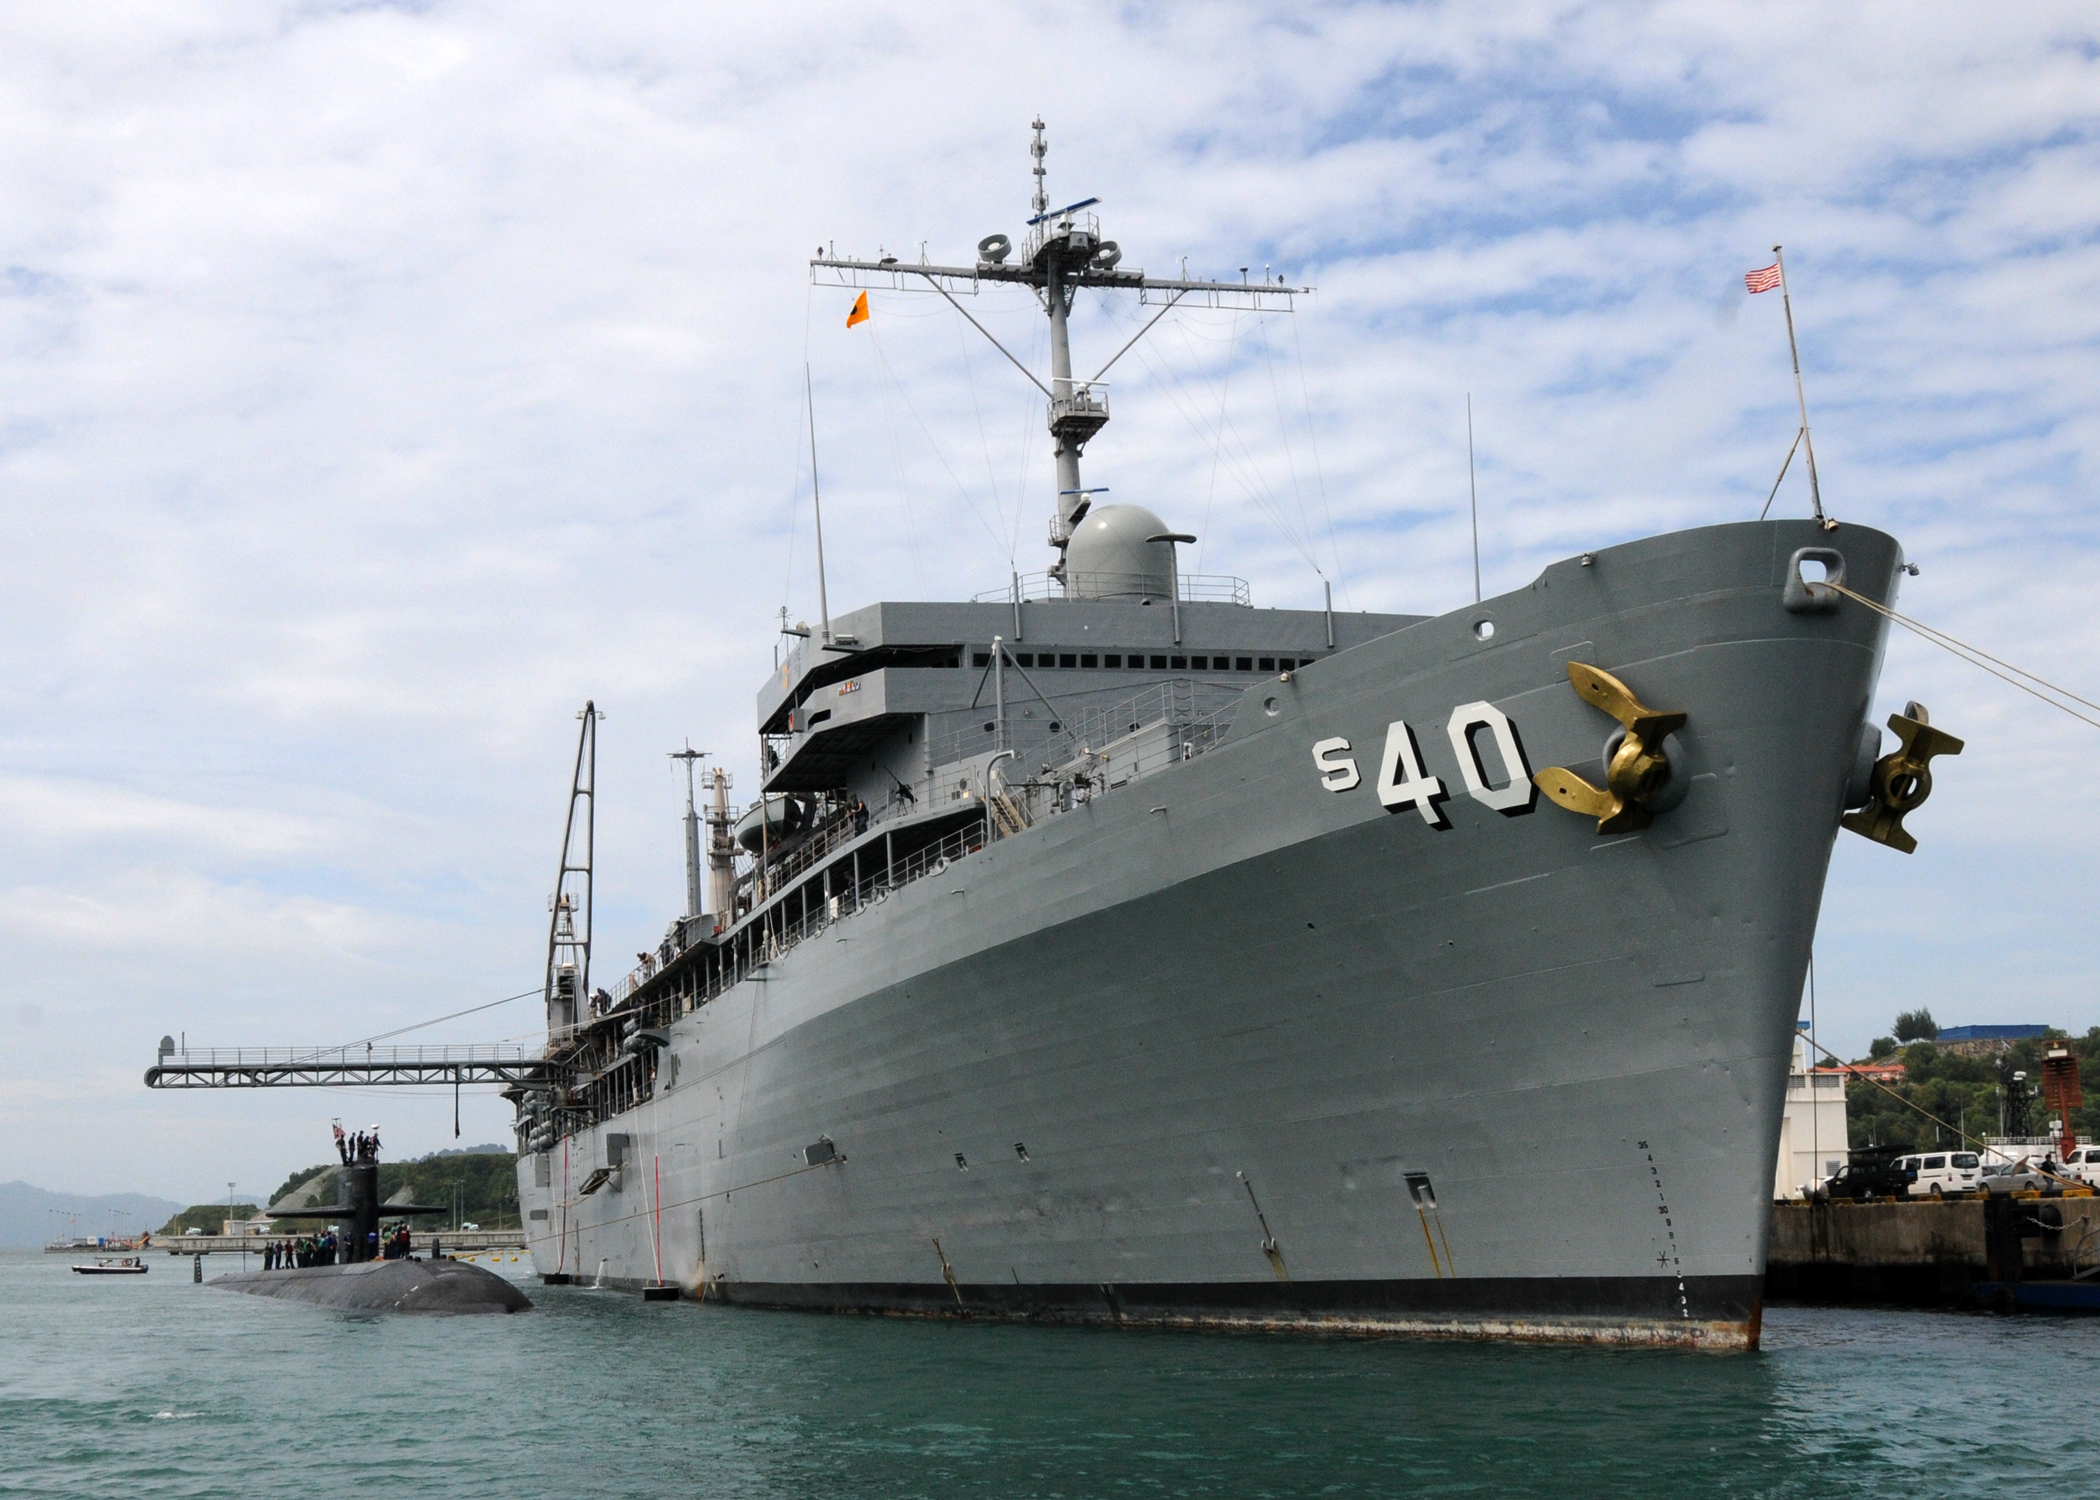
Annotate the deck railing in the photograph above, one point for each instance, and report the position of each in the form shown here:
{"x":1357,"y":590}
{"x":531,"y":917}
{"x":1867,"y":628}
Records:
{"x":285,"y":1067}
{"x":1196,"y":588}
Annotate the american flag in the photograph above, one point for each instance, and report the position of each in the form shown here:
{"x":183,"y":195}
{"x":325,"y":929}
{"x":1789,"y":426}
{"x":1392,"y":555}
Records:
{"x":1763,"y":281}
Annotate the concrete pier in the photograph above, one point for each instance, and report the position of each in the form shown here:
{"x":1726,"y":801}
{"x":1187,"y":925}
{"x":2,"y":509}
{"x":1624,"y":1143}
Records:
{"x":1923,"y":1253}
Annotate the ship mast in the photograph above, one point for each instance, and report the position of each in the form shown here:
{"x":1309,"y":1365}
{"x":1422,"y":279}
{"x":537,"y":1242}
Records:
{"x":693,"y":907}
{"x":1062,"y":252}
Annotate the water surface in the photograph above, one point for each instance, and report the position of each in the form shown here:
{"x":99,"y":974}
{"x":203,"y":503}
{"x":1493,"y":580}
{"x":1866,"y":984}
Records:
{"x":150,"y":1386}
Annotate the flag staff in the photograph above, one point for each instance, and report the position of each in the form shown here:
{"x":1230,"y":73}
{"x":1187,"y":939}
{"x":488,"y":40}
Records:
{"x":1815,"y":493}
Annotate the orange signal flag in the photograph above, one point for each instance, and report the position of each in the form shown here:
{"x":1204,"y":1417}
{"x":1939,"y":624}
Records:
{"x":860,"y":310}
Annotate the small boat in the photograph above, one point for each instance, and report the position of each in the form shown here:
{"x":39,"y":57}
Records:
{"x":2041,"y":1296}
{"x":130,"y":1265}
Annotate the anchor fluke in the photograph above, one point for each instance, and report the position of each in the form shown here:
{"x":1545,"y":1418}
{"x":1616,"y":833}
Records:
{"x":1902,"y":780}
{"x":1638,"y":769}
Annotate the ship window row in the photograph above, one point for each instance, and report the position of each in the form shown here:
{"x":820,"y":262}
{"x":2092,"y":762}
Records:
{"x":1133,"y":661}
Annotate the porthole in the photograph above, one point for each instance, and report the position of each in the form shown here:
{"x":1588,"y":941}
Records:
{"x":1484,"y":629}
{"x":1271,"y":707}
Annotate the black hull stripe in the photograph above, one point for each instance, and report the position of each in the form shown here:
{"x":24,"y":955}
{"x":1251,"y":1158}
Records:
{"x":1715,"y":1311}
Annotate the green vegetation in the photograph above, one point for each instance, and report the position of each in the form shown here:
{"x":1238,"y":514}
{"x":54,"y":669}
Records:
{"x":1916,"y":1026}
{"x":1971,"y":1094}
{"x":487,"y":1182}
{"x":209,"y":1217}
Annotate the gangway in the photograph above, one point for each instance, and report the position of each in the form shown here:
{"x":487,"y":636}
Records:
{"x":326,"y":1067}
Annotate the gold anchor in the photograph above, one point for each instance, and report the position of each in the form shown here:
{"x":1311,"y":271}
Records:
{"x":1638,"y":767}
{"x":1902,"y":780}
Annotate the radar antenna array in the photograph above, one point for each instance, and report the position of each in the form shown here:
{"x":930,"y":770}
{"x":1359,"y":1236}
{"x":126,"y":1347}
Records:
{"x":1063,"y":252}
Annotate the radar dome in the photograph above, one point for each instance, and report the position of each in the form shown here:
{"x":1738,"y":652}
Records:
{"x":1109,"y":557}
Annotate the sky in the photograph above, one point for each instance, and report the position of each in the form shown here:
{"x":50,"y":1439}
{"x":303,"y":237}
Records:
{"x":379,"y":383}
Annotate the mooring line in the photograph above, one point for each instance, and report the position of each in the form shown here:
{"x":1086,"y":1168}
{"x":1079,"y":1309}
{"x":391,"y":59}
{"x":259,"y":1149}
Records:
{"x":1976,"y":657}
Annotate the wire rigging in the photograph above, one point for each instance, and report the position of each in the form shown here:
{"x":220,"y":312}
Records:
{"x":1312,"y":433}
{"x":1248,"y":471}
{"x":1977,"y":657}
{"x":1851,"y":1070}
{"x":1218,"y":443}
{"x":984,"y":440}
{"x":1241,"y":466}
{"x":1039,"y":334}
{"x":889,"y":427}
{"x":905,"y":396}
{"x":365,"y":1041}
{"x":1290,"y":460}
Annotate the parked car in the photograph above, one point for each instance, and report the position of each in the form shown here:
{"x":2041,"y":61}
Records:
{"x":470,"y":1228}
{"x":2083,"y":1163}
{"x":191,"y":1231}
{"x":1943,"y":1174}
{"x":1873,"y":1172}
{"x":2015,"y":1177}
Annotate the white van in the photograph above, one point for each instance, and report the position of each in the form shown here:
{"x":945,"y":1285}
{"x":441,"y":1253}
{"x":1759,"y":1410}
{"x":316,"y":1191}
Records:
{"x":2083,"y":1163}
{"x":1943,"y":1173}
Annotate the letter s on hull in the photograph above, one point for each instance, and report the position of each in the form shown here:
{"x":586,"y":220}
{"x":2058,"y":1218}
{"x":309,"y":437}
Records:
{"x":1338,"y":772}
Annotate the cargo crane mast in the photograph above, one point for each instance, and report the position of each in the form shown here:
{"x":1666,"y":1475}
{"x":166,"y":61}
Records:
{"x":1063,"y":251}
{"x":568,"y":950}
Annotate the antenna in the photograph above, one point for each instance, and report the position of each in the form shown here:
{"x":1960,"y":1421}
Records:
{"x":1473,"y":493}
{"x":816,"y":500}
{"x":1058,"y":213}
{"x":693,"y":906}
{"x":1063,"y":252}
{"x":1039,"y":149}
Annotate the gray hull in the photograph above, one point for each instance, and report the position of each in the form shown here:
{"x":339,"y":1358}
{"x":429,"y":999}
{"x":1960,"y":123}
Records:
{"x":445,"y":1287}
{"x":1228,"y":1047}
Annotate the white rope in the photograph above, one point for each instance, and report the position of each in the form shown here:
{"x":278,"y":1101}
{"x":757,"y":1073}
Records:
{"x":1976,"y":657}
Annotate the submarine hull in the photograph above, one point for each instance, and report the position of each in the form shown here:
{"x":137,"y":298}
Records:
{"x":446,"y":1287}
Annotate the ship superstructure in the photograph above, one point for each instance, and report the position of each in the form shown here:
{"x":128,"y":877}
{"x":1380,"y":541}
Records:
{"x":1109,"y":949}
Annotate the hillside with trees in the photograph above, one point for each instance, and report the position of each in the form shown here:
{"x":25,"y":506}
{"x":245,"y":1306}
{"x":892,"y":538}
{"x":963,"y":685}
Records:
{"x":485,"y":1179}
{"x":209,"y":1217}
{"x":1974,"y":1095}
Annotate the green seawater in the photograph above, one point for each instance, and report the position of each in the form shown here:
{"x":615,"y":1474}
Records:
{"x":150,"y":1386}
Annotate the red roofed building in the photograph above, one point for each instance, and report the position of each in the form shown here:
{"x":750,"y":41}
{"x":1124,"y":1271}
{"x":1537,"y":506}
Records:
{"x":1881,"y":1072}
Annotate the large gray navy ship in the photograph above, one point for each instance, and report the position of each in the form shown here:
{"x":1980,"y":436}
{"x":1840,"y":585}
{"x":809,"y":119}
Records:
{"x":1109,"y":949}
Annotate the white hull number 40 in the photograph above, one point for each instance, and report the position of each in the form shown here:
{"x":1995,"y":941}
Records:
{"x":1402,"y":782}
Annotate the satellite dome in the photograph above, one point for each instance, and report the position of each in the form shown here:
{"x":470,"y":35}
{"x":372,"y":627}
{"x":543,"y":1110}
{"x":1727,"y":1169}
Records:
{"x":1109,"y":557}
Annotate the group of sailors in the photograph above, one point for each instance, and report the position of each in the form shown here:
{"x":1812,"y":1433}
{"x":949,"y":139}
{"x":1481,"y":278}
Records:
{"x":327,"y":1248}
{"x":363,"y":1146}
{"x":312,"y":1250}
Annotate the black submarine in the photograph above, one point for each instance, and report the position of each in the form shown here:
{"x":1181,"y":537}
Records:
{"x":363,"y":1280}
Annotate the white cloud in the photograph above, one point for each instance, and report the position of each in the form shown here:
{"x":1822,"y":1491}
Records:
{"x":381,"y":382}
{"x":59,"y":811}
